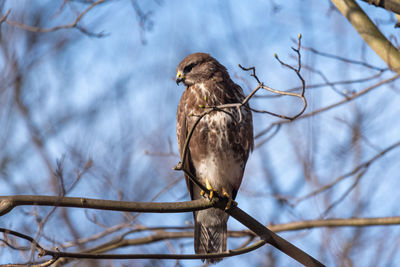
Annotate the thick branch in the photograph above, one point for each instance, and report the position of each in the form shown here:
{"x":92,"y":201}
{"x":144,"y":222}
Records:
{"x":369,"y":32}
{"x":270,"y":237}
{"x":7,"y":203}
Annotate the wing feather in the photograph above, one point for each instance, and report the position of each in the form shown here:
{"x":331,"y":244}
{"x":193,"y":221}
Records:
{"x":182,"y":132}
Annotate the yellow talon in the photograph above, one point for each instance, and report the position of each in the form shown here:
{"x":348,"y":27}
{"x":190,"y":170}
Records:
{"x":202,"y":193}
{"x":225,"y":193}
{"x":209,"y":187}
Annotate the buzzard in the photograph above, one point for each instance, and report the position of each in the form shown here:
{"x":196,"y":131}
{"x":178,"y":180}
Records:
{"x":220,"y":145}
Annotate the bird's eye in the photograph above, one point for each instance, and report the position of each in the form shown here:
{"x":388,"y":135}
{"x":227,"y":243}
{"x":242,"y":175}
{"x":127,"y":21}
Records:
{"x":188,"y":68}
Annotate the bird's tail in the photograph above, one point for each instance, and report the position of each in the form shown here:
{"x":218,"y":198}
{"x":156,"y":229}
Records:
{"x":210,"y":236}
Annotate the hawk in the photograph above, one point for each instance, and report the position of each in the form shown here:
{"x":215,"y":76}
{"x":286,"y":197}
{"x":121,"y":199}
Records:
{"x":220,"y":145}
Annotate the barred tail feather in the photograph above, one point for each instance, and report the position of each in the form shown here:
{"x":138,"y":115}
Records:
{"x":210,"y":239}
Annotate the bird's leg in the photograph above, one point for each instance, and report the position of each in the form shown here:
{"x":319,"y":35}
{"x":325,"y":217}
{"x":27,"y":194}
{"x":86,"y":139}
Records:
{"x":230,"y":200}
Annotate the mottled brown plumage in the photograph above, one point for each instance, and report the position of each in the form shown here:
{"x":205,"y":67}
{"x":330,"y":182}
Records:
{"x":220,"y":144}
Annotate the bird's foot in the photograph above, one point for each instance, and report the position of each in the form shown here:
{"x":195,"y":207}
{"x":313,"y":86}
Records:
{"x":210,"y":190}
{"x":231,"y":203}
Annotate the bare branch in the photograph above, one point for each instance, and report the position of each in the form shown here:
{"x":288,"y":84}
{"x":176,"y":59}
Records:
{"x":293,"y":226}
{"x":353,"y":222}
{"x":344,"y":59}
{"x":58,"y":254}
{"x":352,"y":97}
{"x":266,"y":235}
{"x":74,"y":24}
{"x":261,"y":85}
{"x":7,"y":203}
{"x":391,"y":5}
{"x":329,"y":83}
{"x":163,"y":233}
{"x":361,"y":168}
{"x":4,"y":18}
{"x":348,"y":99}
{"x":273,"y":239}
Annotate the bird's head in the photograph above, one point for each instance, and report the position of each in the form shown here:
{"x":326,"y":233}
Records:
{"x":196,"y":68}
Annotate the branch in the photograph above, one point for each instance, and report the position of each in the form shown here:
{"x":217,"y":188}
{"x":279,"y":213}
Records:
{"x":4,"y":18}
{"x":273,"y":239}
{"x":266,"y":235}
{"x":163,"y":233}
{"x":369,"y":32}
{"x":344,"y":59}
{"x":292,"y":226}
{"x":353,"y":222}
{"x":359,"y":169}
{"x":334,"y":105}
{"x":391,"y":5}
{"x":58,"y":254}
{"x":352,"y":97}
{"x":261,"y":85}
{"x":74,"y":24}
{"x":7,"y":203}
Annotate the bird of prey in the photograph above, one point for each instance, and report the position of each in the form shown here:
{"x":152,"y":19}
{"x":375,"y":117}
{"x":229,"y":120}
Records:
{"x":219,"y":146}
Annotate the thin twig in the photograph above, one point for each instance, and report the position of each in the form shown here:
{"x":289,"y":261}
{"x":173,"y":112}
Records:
{"x":334,"y":105}
{"x":351,"y":61}
{"x":345,"y":193}
{"x":74,"y":24}
{"x":278,"y":92}
{"x":333,"y":83}
{"x":360,"y":168}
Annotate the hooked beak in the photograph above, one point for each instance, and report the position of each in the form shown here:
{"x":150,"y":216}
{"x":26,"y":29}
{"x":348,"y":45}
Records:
{"x":179,"y":77}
